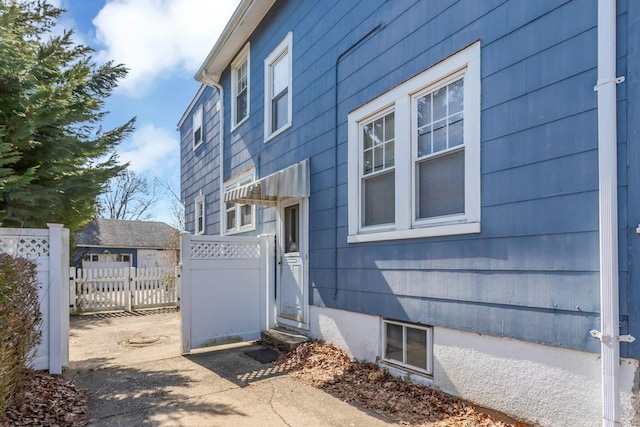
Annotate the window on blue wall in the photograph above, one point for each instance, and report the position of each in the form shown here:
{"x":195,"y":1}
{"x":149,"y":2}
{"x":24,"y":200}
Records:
{"x":414,"y":155}
{"x":408,"y":346}
{"x":378,"y":170}
{"x":240,"y":80}
{"x":238,"y":218}
{"x":277,"y":89}
{"x":199,"y":209}
{"x":439,"y":150}
{"x":196,"y":127}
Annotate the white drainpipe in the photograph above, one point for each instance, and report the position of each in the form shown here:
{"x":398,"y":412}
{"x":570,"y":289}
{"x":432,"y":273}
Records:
{"x":608,"y":204}
{"x":206,"y":79}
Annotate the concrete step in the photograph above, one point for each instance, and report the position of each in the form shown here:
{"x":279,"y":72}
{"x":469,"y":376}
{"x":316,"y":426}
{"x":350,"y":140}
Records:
{"x":284,"y":339}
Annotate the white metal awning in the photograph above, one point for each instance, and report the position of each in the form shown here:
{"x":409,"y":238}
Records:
{"x":292,"y":181}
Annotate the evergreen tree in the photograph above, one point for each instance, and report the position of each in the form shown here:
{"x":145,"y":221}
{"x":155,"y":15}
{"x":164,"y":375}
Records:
{"x":55,"y":158}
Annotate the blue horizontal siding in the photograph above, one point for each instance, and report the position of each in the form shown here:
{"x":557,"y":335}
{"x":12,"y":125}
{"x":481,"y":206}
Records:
{"x":532,"y":272}
{"x":199,"y":168}
{"x":562,"y":175}
{"x":554,"y":252}
{"x":552,"y":327}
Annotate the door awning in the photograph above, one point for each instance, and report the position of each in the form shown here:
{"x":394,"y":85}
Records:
{"x":292,"y":181}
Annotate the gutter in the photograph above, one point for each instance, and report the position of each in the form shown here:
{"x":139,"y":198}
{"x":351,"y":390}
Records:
{"x":210,"y":81}
{"x":608,"y":215}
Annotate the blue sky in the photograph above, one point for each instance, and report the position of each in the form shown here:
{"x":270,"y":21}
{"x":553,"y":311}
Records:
{"x":162,"y":42}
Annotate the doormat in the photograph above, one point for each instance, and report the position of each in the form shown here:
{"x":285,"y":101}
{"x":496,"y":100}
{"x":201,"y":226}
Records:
{"x":264,"y":355}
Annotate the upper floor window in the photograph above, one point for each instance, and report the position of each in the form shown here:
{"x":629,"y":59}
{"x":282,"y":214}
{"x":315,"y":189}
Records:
{"x":199,"y":214}
{"x":196,"y":128}
{"x":240,"y":87}
{"x":239,"y":218}
{"x":414,"y":155}
{"x":277,"y":90}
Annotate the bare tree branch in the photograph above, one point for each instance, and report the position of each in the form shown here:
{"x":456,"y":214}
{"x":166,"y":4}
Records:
{"x":177,"y":207}
{"x":128,"y":196}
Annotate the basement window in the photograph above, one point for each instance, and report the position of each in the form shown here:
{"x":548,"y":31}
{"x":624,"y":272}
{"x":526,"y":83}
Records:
{"x":409,"y":346}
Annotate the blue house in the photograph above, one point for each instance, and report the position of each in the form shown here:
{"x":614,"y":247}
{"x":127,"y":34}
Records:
{"x":452,"y":185}
{"x":118,"y":243}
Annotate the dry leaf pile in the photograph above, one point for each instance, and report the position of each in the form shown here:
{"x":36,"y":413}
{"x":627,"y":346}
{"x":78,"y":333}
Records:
{"x":329,"y":368}
{"x":48,"y":401}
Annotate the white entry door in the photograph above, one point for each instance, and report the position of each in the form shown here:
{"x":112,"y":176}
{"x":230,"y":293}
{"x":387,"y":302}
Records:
{"x":292,"y":295}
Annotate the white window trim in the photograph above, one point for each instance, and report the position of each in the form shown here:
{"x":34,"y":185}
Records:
{"x":197,"y":121}
{"x":244,"y":55}
{"x":400,"y":99}
{"x":284,"y":46}
{"x":241,"y":179}
{"x":199,"y":205}
{"x":401,"y":364}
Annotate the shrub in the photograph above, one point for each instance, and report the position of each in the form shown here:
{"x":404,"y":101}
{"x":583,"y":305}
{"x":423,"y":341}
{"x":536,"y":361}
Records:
{"x":19,"y":325}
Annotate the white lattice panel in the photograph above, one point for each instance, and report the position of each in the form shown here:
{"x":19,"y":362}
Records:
{"x":217,"y":250}
{"x":27,"y":247}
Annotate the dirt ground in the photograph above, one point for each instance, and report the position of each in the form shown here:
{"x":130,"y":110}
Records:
{"x":115,"y":339}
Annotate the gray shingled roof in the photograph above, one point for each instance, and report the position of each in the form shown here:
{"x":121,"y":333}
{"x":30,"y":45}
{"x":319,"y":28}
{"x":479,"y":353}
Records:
{"x":115,"y":233}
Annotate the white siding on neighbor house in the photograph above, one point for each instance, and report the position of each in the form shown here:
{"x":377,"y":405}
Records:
{"x":152,"y":258}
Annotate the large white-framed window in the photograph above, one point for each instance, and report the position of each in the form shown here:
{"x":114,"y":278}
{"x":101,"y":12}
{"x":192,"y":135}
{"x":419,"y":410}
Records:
{"x":239,"y":218}
{"x":414,"y":155}
{"x":197,"y":128}
{"x":278,"y":96}
{"x":199,"y":210}
{"x":408,"y":345}
{"x":240,"y":84}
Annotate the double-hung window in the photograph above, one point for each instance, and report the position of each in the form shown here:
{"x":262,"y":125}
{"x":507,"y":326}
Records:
{"x":438,"y":141}
{"x":199,"y":214}
{"x":414,"y":155}
{"x":197,"y":127}
{"x":239,"y":218}
{"x":378,"y":171}
{"x":240,"y":86}
{"x":277,"y":89}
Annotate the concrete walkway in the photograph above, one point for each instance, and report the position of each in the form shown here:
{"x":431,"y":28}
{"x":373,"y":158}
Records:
{"x":131,"y":366}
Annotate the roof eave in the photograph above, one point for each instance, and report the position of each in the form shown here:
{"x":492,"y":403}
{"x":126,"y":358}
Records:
{"x":243,"y":22}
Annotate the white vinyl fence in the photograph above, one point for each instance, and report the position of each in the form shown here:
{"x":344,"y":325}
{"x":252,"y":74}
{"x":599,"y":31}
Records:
{"x":49,"y":248}
{"x":227,"y":288}
{"x":108,"y":289}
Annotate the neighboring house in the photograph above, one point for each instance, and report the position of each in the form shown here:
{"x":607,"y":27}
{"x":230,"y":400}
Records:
{"x":430,"y":170}
{"x":111,"y":243}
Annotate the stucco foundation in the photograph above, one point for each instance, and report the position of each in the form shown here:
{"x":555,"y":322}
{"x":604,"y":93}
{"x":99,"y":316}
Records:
{"x":357,"y":334}
{"x":550,"y":386}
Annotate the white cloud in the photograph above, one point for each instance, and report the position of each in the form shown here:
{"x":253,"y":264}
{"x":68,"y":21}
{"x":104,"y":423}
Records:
{"x":157,"y":38}
{"x":150,"y":150}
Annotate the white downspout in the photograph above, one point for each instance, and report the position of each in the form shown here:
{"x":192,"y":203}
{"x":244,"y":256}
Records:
{"x":206,"y":79}
{"x":608,"y":219}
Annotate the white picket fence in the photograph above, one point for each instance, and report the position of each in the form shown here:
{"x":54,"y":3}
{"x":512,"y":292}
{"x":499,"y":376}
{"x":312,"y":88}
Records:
{"x":109,"y":289}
